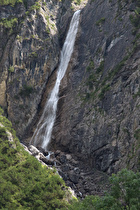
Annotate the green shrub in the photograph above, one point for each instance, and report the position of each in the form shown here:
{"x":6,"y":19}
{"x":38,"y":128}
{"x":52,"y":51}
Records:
{"x":2,"y":131}
{"x":101,"y":67}
{"x":135,"y":19}
{"x":24,"y":182}
{"x":100,"y":22}
{"x":90,"y":66}
{"x":36,"y":6}
{"x":1,"y":111}
{"x":104,"y":90}
{"x":33,"y":54}
{"x":9,"y":23}
{"x":11,"y":2}
{"x":137,"y":134}
{"x":115,"y":70}
{"x":11,"y":69}
{"x":78,"y":2}
{"x":26,"y":91}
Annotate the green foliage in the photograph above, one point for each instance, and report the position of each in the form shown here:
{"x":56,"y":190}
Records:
{"x":90,"y":66}
{"x":2,"y":131}
{"x":91,"y":80}
{"x":126,"y":189}
{"x":100,"y":22}
{"x":93,"y":77}
{"x":101,"y":67}
{"x":33,"y":54}
{"x":47,"y":30}
{"x":137,"y":134}
{"x":135,"y":19}
{"x":78,"y":2}
{"x":104,"y":90}
{"x":36,"y":6}
{"x":26,"y":91}
{"x":11,"y":69}
{"x":24,"y":182}
{"x":118,"y":67}
{"x":11,"y":2}
{"x":7,"y":124}
{"x":9,"y":23}
{"x":124,"y":194}
{"x":47,"y":19}
{"x":1,"y":111}
{"x":115,"y":70}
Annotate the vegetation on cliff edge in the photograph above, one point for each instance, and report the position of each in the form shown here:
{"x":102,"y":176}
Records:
{"x":11,"y":2}
{"x":124,"y":194}
{"x":24,"y":182}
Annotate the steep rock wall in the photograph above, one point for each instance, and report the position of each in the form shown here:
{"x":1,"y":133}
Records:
{"x":98,"y":112}
{"x":31,"y":39}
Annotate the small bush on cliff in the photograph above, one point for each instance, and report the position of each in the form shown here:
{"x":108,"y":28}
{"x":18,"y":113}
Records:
{"x":100,"y":22}
{"x":137,"y":134}
{"x":124,"y":194}
{"x":24,"y":182}
{"x":135,"y":18}
{"x":11,"y":69}
{"x":9,"y":23}
{"x":26,"y":91}
{"x":11,"y":2}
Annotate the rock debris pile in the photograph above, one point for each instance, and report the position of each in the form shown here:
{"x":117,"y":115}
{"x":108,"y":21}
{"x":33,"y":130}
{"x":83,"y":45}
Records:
{"x":83,"y":182}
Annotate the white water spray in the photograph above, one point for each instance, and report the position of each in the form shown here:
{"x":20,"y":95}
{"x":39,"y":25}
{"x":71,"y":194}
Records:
{"x":44,"y":128}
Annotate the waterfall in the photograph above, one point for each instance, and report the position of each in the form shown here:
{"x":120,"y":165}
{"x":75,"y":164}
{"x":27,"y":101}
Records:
{"x":44,"y":128}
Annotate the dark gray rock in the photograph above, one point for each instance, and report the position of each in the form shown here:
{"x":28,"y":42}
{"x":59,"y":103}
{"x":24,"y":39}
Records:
{"x":63,"y":158}
{"x":73,"y":177}
{"x":77,"y":170}
{"x":63,"y":175}
{"x":45,"y":160}
{"x":45,"y":153}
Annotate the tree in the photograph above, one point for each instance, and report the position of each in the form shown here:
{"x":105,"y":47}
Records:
{"x":126,"y":188}
{"x":124,"y":194}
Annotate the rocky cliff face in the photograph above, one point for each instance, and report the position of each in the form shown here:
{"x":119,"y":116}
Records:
{"x":31,"y":37}
{"x":98,"y":115}
{"x":98,"y":111}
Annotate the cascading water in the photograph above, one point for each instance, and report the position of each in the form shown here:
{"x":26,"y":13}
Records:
{"x":44,"y":128}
